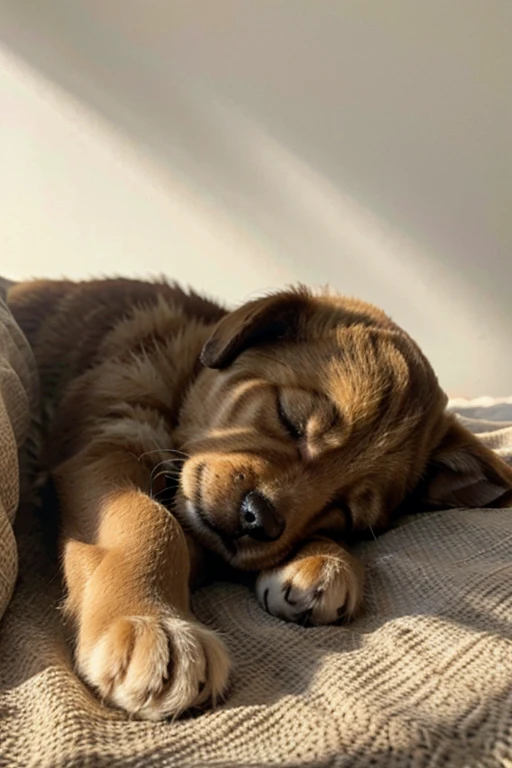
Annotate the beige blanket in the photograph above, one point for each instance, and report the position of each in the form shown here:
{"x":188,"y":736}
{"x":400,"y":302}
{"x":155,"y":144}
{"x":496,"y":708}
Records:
{"x":423,"y":679}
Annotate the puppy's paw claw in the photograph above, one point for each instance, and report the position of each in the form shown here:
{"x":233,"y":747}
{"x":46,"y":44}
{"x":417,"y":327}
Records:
{"x":316,"y":589}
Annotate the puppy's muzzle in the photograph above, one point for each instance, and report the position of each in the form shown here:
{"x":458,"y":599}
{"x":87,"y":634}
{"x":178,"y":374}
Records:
{"x":259,"y":518}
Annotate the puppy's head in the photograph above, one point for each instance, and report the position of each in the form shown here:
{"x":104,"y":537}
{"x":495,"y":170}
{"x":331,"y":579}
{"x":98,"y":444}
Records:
{"x":318,"y":415}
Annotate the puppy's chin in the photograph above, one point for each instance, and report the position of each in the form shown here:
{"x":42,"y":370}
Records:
{"x":241,"y":552}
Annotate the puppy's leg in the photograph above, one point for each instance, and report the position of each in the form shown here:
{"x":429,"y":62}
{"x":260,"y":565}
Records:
{"x":127,"y":568}
{"x":319,"y":585}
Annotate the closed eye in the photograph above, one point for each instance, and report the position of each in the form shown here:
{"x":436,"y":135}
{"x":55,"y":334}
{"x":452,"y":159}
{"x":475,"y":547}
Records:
{"x":290,"y":427}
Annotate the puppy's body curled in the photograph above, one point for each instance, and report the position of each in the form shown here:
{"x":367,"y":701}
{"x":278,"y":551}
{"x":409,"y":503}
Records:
{"x":269,"y":437}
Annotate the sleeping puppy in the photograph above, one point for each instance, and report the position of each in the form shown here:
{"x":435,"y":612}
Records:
{"x":275,"y":434}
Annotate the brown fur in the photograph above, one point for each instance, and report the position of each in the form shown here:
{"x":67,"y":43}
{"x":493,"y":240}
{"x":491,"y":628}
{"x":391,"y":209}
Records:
{"x":321,"y":404}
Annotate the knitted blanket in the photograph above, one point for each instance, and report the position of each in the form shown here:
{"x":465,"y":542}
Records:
{"x":423,"y":678}
{"x":18,"y":401}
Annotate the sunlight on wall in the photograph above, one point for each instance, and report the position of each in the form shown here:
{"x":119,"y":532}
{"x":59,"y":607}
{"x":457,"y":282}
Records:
{"x":82,"y":201}
{"x":360,"y":147}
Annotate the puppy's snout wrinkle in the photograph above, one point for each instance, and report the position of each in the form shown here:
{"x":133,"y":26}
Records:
{"x":259,"y":518}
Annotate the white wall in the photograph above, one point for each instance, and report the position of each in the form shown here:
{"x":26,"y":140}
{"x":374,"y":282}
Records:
{"x":239,"y":146}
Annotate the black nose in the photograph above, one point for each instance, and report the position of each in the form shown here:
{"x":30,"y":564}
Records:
{"x":259,"y":519}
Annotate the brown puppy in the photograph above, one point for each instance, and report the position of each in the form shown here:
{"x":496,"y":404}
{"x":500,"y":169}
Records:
{"x":290,"y":426}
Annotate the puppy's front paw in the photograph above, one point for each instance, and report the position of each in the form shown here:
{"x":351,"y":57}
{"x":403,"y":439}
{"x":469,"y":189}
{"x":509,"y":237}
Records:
{"x":313,"y":589}
{"x":155,"y":666}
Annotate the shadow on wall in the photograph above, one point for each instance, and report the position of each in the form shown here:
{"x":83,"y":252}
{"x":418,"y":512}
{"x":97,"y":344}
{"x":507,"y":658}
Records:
{"x":391,"y":104}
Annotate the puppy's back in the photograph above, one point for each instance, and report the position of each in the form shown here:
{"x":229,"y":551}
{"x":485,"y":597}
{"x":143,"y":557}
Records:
{"x":66,"y":322}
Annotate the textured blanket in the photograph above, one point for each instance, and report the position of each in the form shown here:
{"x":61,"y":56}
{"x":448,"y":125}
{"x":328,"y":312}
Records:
{"x":18,"y":401}
{"x":424,"y":678}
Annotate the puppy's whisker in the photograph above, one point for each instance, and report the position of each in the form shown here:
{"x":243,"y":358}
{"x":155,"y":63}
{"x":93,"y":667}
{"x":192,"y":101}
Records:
{"x":171,"y":467}
{"x":151,"y":493}
{"x":170,"y":473}
{"x":177,"y":460}
{"x":162,"y":464}
{"x":165,"y":450}
{"x":153,"y":477}
{"x":157,"y":495}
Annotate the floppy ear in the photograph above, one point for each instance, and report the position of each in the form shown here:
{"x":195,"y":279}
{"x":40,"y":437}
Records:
{"x":463,"y":472}
{"x":269,"y":319}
